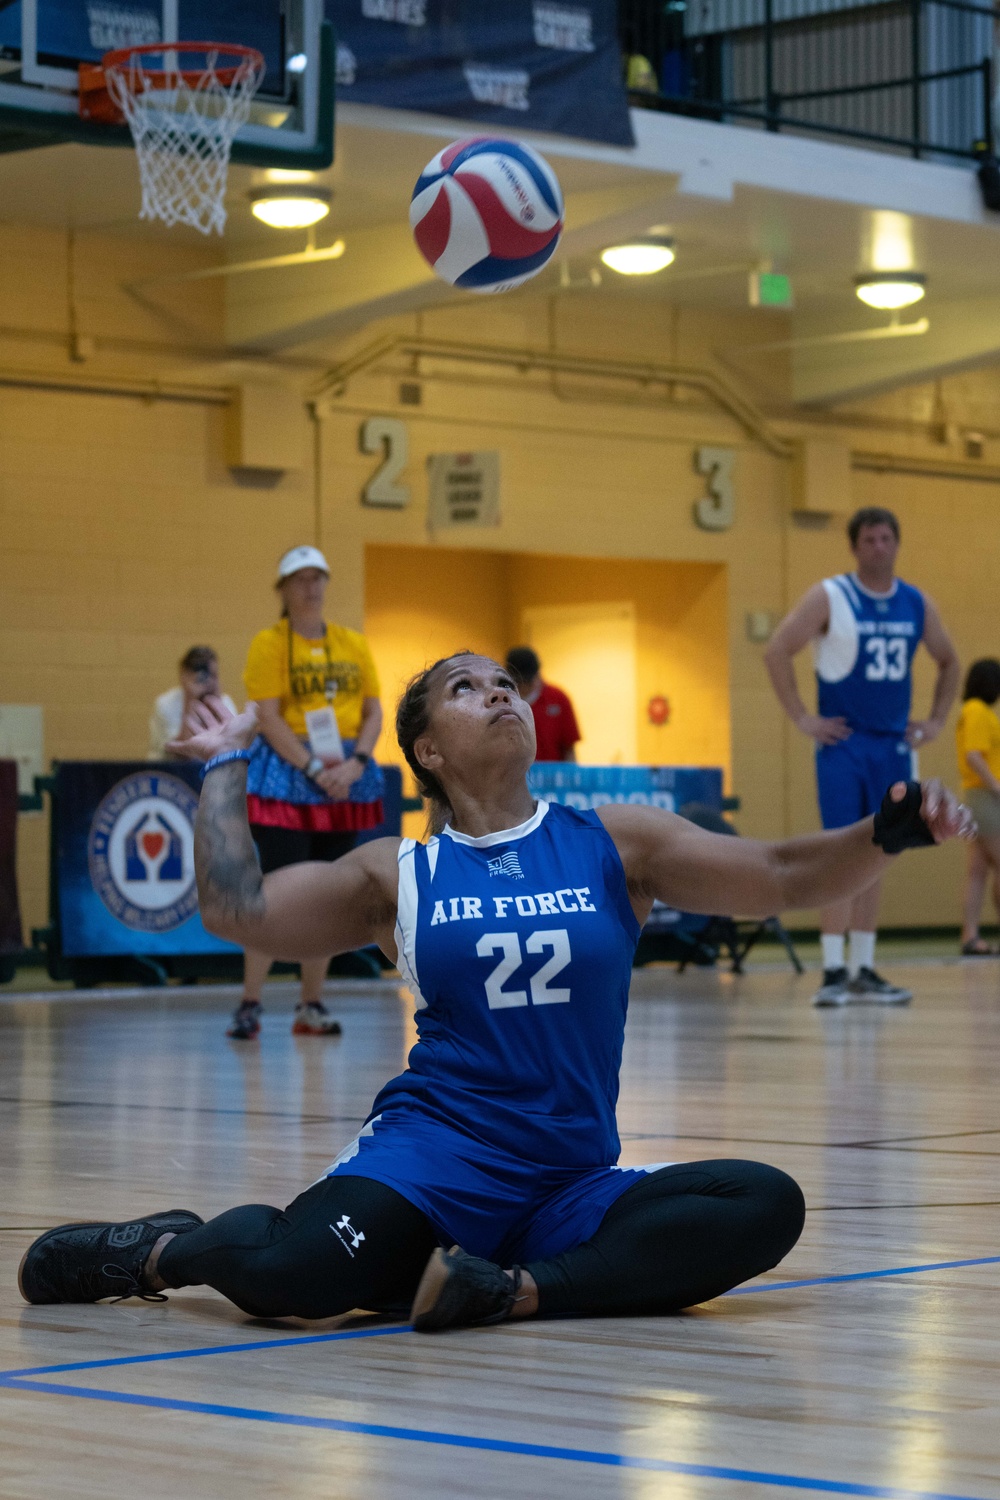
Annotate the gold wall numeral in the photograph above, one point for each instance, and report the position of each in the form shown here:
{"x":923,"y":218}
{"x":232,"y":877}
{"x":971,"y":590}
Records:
{"x":716,"y":511}
{"x":386,"y":435}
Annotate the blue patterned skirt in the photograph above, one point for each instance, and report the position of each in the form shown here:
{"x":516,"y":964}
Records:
{"x":280,"y":795}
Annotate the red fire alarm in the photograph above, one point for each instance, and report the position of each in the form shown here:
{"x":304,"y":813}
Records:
{"x":659,"y":710}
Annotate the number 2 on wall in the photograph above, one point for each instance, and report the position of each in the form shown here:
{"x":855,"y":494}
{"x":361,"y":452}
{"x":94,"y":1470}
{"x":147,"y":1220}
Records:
{"x":386,"y":435}
{"x":508,"y":944}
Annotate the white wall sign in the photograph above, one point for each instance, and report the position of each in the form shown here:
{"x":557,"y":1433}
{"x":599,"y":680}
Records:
{"x":716,"y":511}
{"x":21,"y":739}
{"x":386,"y":435}
{"x":464,"y":489}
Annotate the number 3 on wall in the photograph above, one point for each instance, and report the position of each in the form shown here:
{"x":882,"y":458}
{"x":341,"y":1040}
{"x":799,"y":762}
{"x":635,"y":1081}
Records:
{"x":386,"y":435}
{"x":716,"y":511}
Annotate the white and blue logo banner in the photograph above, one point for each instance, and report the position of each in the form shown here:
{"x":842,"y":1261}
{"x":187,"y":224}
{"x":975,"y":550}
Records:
{"x":124,"y":878}
{"x":524,"y":64}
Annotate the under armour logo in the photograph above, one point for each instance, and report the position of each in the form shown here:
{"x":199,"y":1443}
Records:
{"x":124,"y":1235}
{"x":356,"y":1234}
{"x":506,"y":864}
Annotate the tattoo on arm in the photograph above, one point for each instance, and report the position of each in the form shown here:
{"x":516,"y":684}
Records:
{"x":230,"y":883}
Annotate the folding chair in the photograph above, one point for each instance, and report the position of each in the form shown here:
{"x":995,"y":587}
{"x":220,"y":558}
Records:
{"x":685,"y":938}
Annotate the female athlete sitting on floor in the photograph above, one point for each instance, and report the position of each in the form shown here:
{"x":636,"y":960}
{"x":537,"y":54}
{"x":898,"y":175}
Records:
{"x":514,"y":927}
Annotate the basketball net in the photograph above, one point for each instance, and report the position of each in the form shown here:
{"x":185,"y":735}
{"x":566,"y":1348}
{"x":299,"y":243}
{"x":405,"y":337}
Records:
{"x":183,"y":121}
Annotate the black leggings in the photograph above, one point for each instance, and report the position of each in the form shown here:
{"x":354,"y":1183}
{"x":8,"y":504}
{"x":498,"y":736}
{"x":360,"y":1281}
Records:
{"x":680,"y":1235}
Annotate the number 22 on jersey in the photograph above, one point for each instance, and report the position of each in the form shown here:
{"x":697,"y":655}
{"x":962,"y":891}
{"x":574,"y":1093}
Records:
{"x":508,"y":944}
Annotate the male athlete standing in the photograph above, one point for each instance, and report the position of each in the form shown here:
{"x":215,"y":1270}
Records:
{"x":864,"y":628}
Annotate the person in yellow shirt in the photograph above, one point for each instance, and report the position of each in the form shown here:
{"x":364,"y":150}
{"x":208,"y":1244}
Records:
{"x":978,"y":740}
{"x":312,"y":785}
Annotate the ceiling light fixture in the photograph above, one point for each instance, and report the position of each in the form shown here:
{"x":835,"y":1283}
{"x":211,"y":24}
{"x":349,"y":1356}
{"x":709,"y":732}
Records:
{"x":890,"y":290}
{"x":290,"y":206}
{"x":640,"y":257}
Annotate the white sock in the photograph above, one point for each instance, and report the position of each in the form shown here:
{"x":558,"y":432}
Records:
{"x":833,"y":950}
{"x":861,"y":952}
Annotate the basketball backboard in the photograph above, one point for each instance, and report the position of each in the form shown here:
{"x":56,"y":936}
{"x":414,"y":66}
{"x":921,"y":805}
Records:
{"x":43,"y":43}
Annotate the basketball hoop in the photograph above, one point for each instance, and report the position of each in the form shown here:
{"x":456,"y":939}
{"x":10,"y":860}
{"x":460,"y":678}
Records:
{"x":183,"y":119}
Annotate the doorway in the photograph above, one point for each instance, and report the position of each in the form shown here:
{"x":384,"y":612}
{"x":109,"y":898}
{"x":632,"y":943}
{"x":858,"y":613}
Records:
{"x":653,"y":629}
{"x":590,"y":651}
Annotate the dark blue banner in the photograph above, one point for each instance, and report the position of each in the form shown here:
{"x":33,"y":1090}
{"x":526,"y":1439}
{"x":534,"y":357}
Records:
{"x":10,"y":914}
{"x":124,"y":851}
{"x":670,"y":787}
{"x":514,"y":64}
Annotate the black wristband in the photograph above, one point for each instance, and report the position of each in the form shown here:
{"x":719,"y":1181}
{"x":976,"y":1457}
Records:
{"x":361,"y":756}
{"x":898,"y":825}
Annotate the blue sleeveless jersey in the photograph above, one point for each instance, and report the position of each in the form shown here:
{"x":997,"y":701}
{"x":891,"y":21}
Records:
{"x":864,"y":661}
{"x":518,"y":949}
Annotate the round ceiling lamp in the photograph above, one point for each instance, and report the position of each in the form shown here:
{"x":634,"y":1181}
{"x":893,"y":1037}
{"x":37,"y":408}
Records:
{"x":290,"y":205}
{"x":640,"y":257}
{"x":890,"y":290}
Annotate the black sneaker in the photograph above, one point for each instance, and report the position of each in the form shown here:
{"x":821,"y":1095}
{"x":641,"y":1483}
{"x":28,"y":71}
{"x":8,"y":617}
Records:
{"x":869,"y":986}
{"x":459,"y":1290}
{"x":834,"y":989}
{"x":246,"y":1021}
{"x":87,"y":1262}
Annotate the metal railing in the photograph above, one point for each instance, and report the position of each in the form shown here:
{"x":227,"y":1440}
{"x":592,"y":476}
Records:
{"x":914,"y":76}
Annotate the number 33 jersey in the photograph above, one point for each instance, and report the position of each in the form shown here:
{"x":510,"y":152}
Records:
{"x":518,"y":949}
{"x":864,"y":661}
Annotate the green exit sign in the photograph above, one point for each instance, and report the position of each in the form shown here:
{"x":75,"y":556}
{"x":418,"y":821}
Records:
{"x":769,"y":289}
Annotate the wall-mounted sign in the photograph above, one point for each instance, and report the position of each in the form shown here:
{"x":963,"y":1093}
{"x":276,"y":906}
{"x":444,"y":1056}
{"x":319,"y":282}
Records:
{"x":464,"y":489}
{"x":716,"y":511}
{"x":386,"y":435}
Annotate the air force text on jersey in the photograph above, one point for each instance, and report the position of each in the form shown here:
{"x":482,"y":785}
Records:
{"x":543,"y":904}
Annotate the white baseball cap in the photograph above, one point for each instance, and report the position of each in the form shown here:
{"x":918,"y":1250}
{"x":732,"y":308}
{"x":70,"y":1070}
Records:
{"x":298,"y":558}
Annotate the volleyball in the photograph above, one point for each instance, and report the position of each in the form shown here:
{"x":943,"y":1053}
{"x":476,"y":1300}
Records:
{"x":487,"y":214}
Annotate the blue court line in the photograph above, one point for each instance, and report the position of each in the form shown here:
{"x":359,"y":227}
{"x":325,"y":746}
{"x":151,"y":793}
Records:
{"x":938,"y":1265}
{"x":373,"y":1333}
{"x":145,"y":1359}
{"x":491,"y":1445}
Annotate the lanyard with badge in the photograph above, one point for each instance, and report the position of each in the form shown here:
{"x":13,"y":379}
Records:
{"x":321,"y":723}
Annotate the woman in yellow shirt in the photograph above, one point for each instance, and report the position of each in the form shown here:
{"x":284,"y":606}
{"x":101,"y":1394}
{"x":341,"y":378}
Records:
{"x":978,"y":739}
{"x":312,"y":785}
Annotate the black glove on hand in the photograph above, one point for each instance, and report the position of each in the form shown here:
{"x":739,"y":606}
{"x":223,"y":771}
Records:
{"x":898,"y":825}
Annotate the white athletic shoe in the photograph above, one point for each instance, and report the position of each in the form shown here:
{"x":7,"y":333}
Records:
{"x":834,"y":989}
{"x":314,"y":1020}
{"x":868,"y":987}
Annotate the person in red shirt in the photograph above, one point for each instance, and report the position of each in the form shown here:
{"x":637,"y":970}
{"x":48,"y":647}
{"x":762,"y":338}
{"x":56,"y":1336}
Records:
{"x":556,"y":730}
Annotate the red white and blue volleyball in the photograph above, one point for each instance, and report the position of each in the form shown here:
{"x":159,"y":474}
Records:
{"x":487,"y":214}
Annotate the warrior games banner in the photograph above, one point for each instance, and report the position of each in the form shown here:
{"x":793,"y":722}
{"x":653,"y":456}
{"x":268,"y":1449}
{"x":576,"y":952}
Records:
{"x":671,"y":787}
{"x":514,"y":64}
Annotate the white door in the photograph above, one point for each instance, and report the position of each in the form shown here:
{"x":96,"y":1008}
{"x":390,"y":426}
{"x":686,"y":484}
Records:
{"x":589,"y":651}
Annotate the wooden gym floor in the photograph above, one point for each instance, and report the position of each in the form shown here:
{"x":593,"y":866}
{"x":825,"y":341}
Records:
{"x":865,"y":1365}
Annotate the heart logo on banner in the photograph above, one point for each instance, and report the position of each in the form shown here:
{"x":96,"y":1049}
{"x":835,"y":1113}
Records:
{"x":153,"y":843}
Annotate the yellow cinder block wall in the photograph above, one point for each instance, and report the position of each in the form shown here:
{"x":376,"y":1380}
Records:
{"x":124,"y":542}
{"x":124,"y":538}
